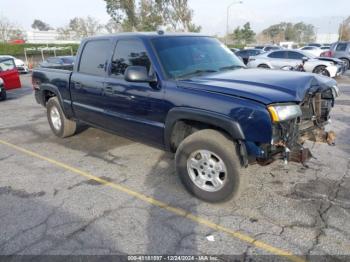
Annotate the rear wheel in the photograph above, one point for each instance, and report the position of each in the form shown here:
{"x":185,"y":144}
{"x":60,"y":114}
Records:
{"x":3,"y":94}
{"x":321,"y":70}
{"x":60,"y":125}
{"x":208,"y":165}
{"x":263,"y":66}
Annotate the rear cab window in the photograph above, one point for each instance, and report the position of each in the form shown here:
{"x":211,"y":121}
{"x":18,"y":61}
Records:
{"x":94,"y":57}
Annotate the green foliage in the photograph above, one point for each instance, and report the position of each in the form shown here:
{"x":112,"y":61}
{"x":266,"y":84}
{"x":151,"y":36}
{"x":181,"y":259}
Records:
{"x":299,"y":32}
{"x":148,"y":15}
{"x":244,"y":35}
{"x":18,"y":50}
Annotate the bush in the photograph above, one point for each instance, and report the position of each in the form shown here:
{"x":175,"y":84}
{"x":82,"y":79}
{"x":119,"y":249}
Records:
{"x":18,"y":50}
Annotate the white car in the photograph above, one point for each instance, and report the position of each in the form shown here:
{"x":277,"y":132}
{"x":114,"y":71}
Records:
{"x":316,"y":51}
{"x":20,"y":65}
{"x":282,"y":58}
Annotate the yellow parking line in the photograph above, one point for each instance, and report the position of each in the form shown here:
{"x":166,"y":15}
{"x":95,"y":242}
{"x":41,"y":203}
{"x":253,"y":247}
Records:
{"x":178,"y":211}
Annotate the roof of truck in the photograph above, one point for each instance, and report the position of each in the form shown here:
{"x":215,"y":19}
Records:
{"x":148,"y":35}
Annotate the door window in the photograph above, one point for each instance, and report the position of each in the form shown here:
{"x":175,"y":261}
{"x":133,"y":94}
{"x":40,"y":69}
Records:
{"x":341,"y":47}
{"x":94,"y":57}
{"x":278,"y":54}
{"x":295,"y":55}
{"x":129,"y":53}
{"x":7,"y":65}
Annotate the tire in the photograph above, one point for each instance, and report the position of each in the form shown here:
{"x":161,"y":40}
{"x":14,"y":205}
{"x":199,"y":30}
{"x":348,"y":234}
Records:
{"x":222,"y":150}
{"x":263,"y":66}
{"x":321,"y":70}
{"x":60,"y":125}
{"x":3,"y":95}
{"x":347,"y":63}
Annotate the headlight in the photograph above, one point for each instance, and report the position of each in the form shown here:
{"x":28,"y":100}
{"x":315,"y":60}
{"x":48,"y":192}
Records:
{"x":281,"y":113}
{"x":335,"y":91}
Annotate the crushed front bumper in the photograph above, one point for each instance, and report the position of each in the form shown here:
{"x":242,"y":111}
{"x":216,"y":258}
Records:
{"x":288,"y":137}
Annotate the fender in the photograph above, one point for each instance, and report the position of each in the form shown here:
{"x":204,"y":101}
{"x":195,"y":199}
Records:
{"x":52,"y":88}
{"x":182,"y":113}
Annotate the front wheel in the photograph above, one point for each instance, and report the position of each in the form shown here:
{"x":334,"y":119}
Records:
{"x":60,"y":125}
{"x":208,"y":165}
{"x":321,"y":70}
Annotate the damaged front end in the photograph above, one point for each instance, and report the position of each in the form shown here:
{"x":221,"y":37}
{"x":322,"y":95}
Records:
{"x":307,"y":124}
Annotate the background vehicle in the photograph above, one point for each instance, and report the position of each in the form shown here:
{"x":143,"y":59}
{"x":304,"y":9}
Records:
{"x":282,"y":58}
{"x":340,"y":50}
{"x":190,"y":95}
{"x":20,"y":65}
{"x":2,"y":90}
{"x":246,"y":53}
{"x":267,"y":48}
{"x":316,"y":51}
{"x":59,"y":62}
{"x":234,"y":50}
{"x":9,"y":74}
{"x":314,"y":44}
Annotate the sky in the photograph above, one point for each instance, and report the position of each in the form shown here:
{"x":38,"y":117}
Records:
{"x":210,"y":14}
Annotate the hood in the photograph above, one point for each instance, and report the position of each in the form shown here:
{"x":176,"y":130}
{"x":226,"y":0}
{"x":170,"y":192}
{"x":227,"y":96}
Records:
{"x":261,"y":85}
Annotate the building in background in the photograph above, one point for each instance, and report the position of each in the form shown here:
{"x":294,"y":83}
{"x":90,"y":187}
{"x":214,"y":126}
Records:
{"x":327,"y":38}
{"x":46,"y":37}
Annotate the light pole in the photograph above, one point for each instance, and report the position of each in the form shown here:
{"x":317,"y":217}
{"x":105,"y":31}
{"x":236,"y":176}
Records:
{"x":228,"y":15}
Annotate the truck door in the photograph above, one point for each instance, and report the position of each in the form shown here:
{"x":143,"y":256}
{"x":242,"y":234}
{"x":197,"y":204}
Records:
{"x":87,"y":82}
{"x":135,"y":109}
{"x":9,"y":74}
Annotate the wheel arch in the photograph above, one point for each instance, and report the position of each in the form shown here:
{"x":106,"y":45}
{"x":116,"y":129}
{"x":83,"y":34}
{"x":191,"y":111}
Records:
{"x":183,"y":118}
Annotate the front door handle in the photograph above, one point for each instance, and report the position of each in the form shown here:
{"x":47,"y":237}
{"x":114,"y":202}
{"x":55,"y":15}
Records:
{"x":109,"y":90}
{"x":78,"y":85}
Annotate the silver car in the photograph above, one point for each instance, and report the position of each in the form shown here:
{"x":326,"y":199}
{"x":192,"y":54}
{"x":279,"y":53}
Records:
{"x":341,"y":50}
{"x":292,"y":58}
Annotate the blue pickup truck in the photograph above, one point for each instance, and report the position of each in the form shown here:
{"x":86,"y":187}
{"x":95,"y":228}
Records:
{"x":189,"y":94}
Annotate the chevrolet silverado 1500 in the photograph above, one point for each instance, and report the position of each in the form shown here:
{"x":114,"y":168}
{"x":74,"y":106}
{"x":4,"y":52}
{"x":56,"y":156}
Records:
{"x":190,"y":95}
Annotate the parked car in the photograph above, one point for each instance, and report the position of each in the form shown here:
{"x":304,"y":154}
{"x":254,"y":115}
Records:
{"x":188,"y":94}
{"x":20,"y":65}
{"x":316,"y":51}
{"x":9,"y":76}
{"x":339,"y":50}
{"x":314,"y":44}
{"x":59,"y":62}
{"x":282,"y":58}
{"x":247,"y":53}
{"x":267,"y":48}
{"x":234,"y":50}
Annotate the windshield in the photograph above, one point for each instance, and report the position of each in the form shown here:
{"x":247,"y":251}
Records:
{"x":188,"y":56}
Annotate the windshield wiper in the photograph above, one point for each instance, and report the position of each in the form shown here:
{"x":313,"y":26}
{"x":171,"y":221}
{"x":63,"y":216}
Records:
{"x":231,"y":67}
{"x":197,"y":72}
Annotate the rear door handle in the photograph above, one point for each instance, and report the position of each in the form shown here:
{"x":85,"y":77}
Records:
{"x":78,"y":85}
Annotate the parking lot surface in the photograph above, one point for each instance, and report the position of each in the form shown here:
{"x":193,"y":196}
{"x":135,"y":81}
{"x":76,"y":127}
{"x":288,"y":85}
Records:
{"x":100,"y":194}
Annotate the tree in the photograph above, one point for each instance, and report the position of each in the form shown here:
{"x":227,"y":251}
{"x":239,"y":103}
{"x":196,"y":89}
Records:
{"x":299,"y":32}
{"x":80,"y":27}
{"x":148,"y":15}
{"x":113,"y":27}
{"x":344,"y":30}
{"x":40,"y":25}
{"x":9,"y":30}
{"x":244,"y":35}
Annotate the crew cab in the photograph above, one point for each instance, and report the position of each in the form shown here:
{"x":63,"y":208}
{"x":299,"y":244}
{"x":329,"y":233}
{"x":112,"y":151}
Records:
{"x":9,"y":76}
{"x":190,"y":95}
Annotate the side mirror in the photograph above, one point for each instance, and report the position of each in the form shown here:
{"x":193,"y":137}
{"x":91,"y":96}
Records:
{"x":138,"y":74}
{"x":304,"y":59}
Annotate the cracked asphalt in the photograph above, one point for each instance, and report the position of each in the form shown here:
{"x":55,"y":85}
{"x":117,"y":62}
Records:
{"x":45,"y":209}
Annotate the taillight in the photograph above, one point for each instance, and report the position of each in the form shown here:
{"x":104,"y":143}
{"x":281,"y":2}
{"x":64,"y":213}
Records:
{"x":36,"y":83}
{"x":327,"y":54}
